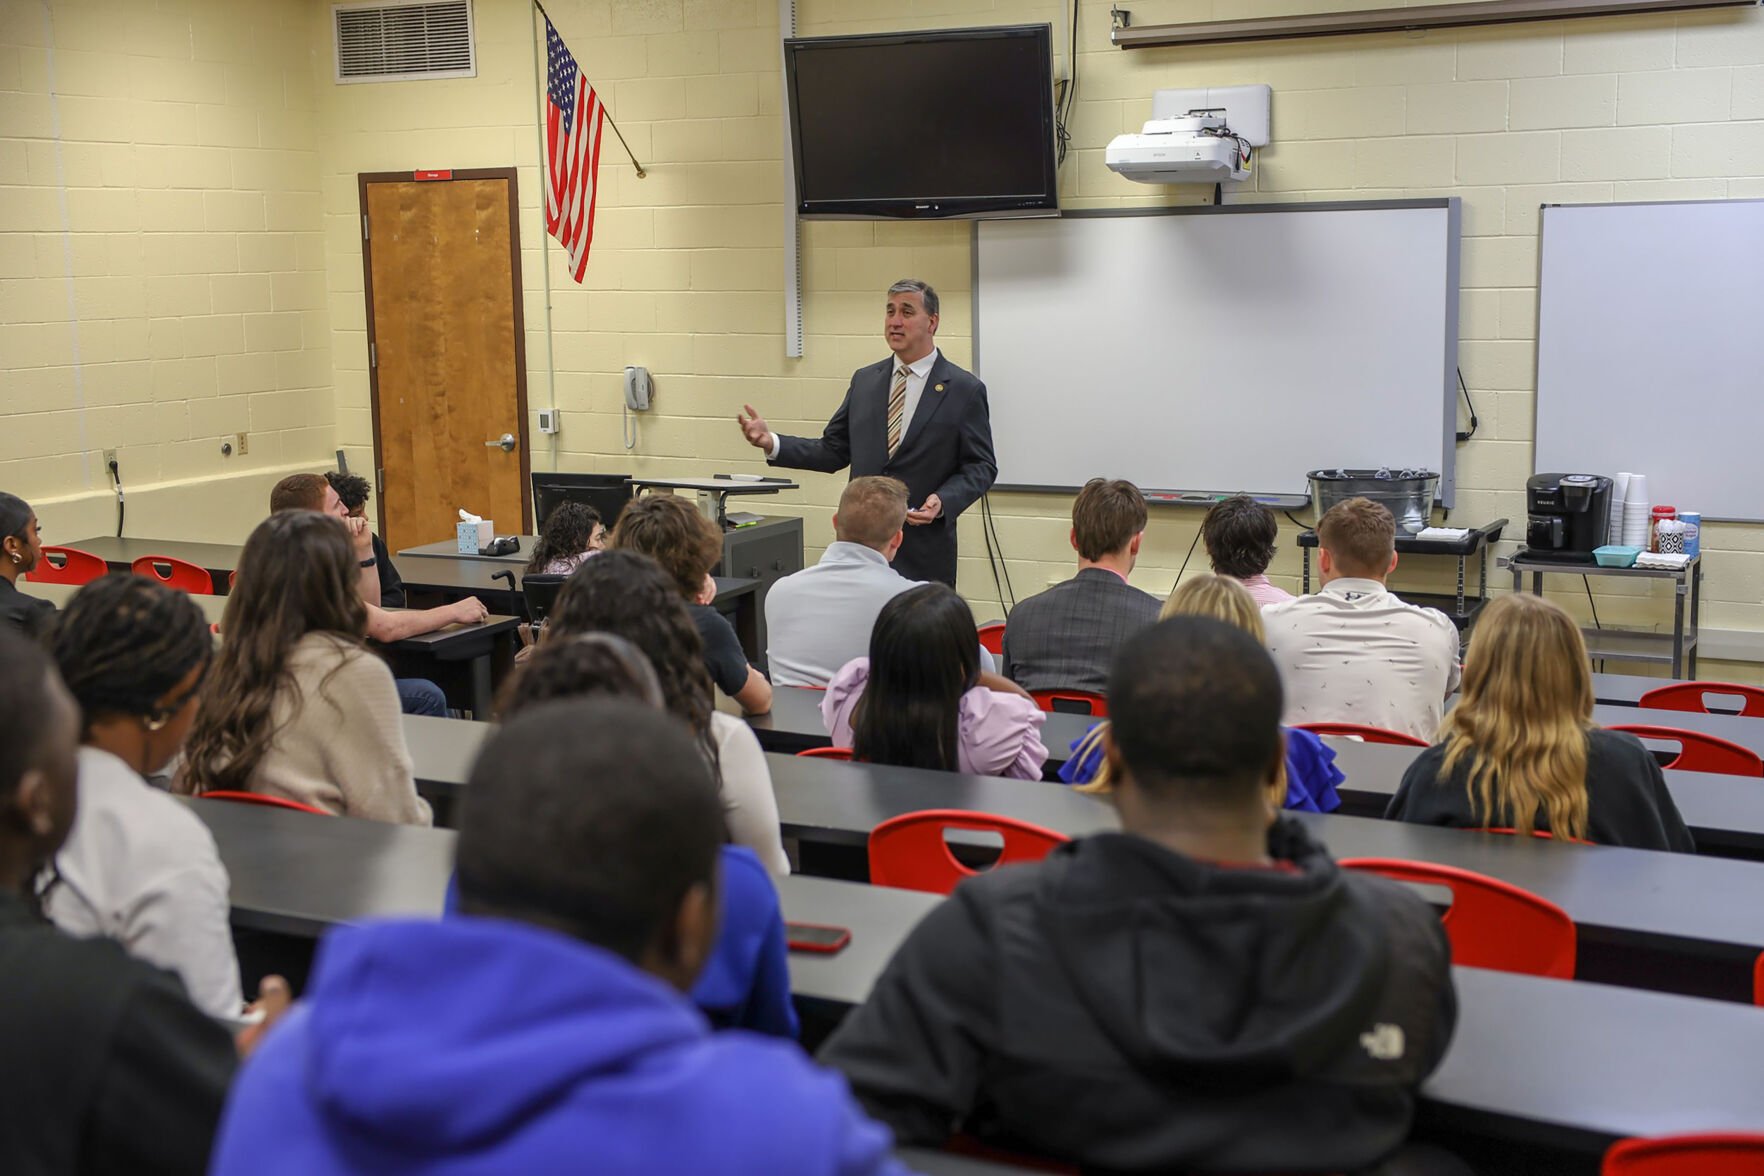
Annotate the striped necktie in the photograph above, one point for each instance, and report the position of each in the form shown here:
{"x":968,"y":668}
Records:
{"x":896,"y":410}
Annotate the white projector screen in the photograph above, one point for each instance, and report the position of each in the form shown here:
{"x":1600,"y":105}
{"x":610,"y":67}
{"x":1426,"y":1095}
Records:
{"x":1220,"y":349}
{"x":1650,"y":349}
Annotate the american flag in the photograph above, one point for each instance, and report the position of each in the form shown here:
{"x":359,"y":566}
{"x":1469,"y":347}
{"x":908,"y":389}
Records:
{"x":573,"y":115}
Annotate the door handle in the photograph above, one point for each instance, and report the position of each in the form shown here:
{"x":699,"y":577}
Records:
{"x":506,"y":443}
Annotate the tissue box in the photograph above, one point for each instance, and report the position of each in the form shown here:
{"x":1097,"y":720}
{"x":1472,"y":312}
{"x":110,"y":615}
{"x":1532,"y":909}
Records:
{"x":473,"y":537}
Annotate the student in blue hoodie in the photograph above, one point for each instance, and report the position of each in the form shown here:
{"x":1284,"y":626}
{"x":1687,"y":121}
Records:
{"x":544,"y":1028}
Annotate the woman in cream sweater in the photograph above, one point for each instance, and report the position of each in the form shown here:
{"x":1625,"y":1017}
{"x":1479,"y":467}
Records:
{"x":296,"y":706}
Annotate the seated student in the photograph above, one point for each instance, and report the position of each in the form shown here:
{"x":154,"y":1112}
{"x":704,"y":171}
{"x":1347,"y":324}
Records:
{"x":630,"y":595}
{"x":417,"y":696}
{"x":296,"y":706}
{"x":109,"y":1066}
{"x":352,"y":491}
{"x":1353,"y":652}
{"x":920,"y":699}
{"x":544,"y":1026}
{"x":21,"y":546}
{"x":687,"y":545}
{"x":139,"y":867}
{"x":1308,"y":778}
{"x":1067,"y":636}
{"x":572,"y":532}
{"x":1206,"y":989}
{"x":1520,"y":750}
{"x":1239,"y":534}
{"x":746,"y":982}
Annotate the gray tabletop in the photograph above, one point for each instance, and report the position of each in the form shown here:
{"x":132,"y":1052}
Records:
{"x":449,"y":549}
{"x":59,"y":594}
{"x":218,"y":559}
{"x":795,"y":723}
{"x":1625,"y":689}
{"x":470,"y":574}
{"x":1733,"y":728}
{"x":1569,"y":1063}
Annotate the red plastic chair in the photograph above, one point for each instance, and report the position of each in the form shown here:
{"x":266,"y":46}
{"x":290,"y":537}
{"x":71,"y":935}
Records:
{"x":1543,"y":834}
{"x":1758,"y":980}
{"x":1692,"y":696}
{"x":1712,"y":1154}
{"x":266,"y":801}
{"x":1078,"y":702}
{"x":178,"y":573}
{"x":992,"y":637}
{"x":67,"y":565}
{"x":832,"y":753}
{"x":908,"y":852}
{"x":1492,"y":924}
{"x":1698,"y":752}
{"x":1368,"y":734}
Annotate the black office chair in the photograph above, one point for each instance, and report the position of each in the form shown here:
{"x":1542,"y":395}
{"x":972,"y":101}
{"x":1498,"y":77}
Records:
{"x":539,"y":594}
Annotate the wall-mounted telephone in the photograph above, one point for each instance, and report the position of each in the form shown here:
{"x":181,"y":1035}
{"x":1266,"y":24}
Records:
{"x":638,"y":389}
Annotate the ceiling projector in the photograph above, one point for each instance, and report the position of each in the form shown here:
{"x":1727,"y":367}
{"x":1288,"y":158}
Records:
{"x":1196,"y":148}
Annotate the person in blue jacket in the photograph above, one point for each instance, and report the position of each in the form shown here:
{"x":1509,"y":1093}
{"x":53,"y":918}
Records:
{"x":544,"y":1027}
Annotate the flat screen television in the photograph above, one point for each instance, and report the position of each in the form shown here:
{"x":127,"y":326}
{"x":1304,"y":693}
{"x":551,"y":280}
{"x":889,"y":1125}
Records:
{"x":951,"y":123}
{"x":606,"y":493}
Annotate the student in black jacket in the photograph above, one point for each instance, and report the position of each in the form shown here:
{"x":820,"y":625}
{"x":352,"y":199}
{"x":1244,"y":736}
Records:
{"x":1520,"y":750}
{"x":109,"y":1067}
{"x":20,"y":549}
{"x":1205,"y":990}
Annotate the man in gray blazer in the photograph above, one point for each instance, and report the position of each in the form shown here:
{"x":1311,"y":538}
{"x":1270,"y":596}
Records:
{"x":914,"y":416}
{"x":1068,"y":636}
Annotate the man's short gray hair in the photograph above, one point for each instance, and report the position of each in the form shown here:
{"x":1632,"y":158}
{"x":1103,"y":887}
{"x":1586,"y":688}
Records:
{"x":923,"y":289}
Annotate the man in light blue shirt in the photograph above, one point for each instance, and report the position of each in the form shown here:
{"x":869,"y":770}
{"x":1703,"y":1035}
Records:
{"x":820,"y":618}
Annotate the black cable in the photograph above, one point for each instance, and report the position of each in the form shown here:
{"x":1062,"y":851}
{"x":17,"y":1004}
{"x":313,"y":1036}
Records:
{"x":1293,"y":521}
{"x":994,"y":554}
{"x":1586,"y":583}
{"x":116,"y":477}
{"x":1066,"y":99}
{"x":1465,"y":388}
{"x":1186,"y":558}
{"x":991,"y":520}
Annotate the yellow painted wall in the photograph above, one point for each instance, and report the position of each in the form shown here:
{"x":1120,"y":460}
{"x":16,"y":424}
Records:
{"x":161,"y":269}
{"x":687,"y":270}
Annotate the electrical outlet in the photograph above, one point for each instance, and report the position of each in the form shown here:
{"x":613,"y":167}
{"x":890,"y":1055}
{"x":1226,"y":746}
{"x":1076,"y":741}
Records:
{"x":110,"y":466}
{"x":241,"y":443}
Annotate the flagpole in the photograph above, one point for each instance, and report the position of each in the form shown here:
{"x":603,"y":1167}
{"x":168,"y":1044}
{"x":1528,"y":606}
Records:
{"x":544,"y":237}
{"x":609,"y":118}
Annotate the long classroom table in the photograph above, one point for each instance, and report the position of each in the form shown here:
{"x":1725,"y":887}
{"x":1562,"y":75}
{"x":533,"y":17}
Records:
{"x":472,"y":649}
{"x":1566,"y":1064}
{"x":217,"y":559}
{"x":1681,"y":922}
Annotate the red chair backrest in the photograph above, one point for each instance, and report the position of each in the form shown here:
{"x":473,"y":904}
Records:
{"x":992,"y":636}
{"x":1369,"y":734}
{"x":1698,"y":752}
{"x":67,"y":565}
{"x":832,"y":753}
{"x":1758,"y":980}
{"x":1693,"y":696}
{"x":177,"y":573}
{"x":1712,"y":1154}
{"x":909,"y":852}
{"x":265,"y":800}
{"x":1492,"y":924}
{"x":1072,"y":702}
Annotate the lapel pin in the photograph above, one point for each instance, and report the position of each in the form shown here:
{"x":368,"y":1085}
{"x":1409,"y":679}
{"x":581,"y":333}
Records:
{"x":938,"y":388}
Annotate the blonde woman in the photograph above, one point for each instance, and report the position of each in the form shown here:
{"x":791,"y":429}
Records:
{"x":1520,"y":750}
{"x":1310,"y":776}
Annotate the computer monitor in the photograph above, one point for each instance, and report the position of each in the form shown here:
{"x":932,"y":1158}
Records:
{"x":606,"y":493}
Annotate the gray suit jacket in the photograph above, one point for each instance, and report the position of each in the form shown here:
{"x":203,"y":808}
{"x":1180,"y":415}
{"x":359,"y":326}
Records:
{"x":1068,"y":636}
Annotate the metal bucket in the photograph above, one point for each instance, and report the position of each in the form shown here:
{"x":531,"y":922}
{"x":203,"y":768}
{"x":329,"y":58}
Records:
{"x":1407,"y":494}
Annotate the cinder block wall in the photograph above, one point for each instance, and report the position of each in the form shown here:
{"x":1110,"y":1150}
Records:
{"x":161,"y":269}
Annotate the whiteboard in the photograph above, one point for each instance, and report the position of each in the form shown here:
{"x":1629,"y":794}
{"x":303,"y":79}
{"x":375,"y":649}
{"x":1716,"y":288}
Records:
{"x":1650,"y":349}
{"x":1220,"y":349}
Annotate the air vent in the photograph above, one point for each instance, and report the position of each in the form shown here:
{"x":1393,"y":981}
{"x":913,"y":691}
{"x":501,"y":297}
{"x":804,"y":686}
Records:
{"x":404,"y":42}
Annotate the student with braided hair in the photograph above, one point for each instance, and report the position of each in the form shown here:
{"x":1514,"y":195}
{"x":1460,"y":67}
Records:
{"x":139,"y":867}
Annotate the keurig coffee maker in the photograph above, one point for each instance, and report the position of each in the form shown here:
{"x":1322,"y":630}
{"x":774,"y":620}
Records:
{"x":1570,"y":516}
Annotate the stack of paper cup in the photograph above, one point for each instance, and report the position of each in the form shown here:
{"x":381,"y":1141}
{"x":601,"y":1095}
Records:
{"x":1619,"y":493}
{"x":1637,"y":512}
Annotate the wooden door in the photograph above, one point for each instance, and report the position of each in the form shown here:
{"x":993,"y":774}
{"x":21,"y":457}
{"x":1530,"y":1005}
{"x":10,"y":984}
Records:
{"x":446,"y":352}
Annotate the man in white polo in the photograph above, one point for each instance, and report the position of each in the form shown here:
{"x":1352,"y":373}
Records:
{"x":820,"y":618}
{"x":1353,"y":652}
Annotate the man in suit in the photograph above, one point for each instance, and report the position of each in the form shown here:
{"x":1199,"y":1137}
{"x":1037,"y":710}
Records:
{"x":916,"y":417}
{"x":1068,"y":636}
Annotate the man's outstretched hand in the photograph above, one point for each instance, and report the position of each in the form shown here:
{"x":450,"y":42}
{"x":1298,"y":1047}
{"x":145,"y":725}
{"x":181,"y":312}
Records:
{"x":753,"y":427}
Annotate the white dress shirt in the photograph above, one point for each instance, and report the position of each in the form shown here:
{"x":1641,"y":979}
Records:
{"x":1354,"y":652}
{"x":917,"y":372}
{"x":140,"y":868}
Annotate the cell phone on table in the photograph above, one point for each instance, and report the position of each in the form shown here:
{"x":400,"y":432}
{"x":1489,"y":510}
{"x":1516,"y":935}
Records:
{"x":816,"y":937}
